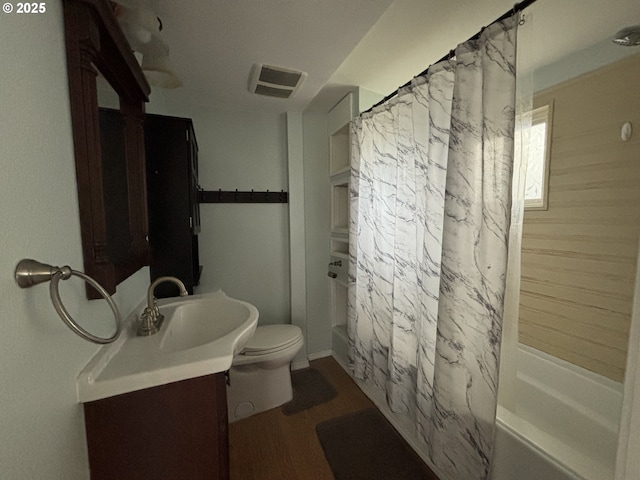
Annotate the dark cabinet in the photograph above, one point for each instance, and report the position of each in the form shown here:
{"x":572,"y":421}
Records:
{"x":176,"y":431}
{"x":172,"y":201}
{"x":114,"y":184}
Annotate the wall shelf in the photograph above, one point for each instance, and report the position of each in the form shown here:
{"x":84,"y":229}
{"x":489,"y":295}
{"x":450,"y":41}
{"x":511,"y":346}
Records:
{"x":339,"y":143}
{"x":338,"y":130}
{"x":342,"y":176}
{"x":340,"y":247}
{"x":339,"y":303}
{"x":340,"y":208}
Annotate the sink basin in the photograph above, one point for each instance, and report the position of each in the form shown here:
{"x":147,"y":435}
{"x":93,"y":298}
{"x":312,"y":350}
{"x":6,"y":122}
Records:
{"x":199,"y":336}
{"x":197,"y":320}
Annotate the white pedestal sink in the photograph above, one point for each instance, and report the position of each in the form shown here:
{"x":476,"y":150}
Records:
{"x":200,"y":336}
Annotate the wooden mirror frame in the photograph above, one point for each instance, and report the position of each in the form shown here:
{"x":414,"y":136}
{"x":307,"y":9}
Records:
{"x":95,"y":42}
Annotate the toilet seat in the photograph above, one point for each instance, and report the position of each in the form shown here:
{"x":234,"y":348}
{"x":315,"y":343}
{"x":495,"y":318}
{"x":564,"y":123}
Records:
{"x":272,"y":338}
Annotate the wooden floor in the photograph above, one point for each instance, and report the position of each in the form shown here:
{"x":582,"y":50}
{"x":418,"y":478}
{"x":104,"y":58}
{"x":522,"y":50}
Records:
{"x":273,"y":446}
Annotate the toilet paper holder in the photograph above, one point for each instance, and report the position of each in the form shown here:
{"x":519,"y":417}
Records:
{"x":335,"y":263}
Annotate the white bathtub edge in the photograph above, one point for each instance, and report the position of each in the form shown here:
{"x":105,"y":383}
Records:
{"x":573,"y":464}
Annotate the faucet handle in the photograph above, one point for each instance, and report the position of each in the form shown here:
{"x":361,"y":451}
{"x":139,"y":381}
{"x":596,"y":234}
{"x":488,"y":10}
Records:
{"x":148,"y":323}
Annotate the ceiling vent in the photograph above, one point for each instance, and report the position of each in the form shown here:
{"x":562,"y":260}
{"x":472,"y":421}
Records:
{"x":275,"y":81}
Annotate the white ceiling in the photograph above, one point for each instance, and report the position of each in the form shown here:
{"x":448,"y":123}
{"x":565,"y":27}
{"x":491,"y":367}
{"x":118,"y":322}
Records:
{"x":214,"y":44}
{"x":376,"y":44}
{"x":553,"y":29}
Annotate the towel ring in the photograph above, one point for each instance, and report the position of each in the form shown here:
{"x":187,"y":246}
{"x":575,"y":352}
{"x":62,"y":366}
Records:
{"x":31,"y":272}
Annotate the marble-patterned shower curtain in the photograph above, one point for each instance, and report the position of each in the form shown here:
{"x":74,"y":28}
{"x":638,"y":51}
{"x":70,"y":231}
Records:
{"x":430,"y":199}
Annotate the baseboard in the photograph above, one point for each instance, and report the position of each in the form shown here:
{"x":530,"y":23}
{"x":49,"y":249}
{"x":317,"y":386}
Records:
{"x":299,"y":364}
{"x":316,"y":355}
{"x":304,"y":363}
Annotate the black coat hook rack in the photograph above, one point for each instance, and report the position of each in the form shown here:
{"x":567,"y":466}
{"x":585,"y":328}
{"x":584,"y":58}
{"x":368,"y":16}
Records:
{"x":227,"y":196}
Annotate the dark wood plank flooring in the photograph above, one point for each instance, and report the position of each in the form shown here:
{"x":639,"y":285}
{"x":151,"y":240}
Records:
{"x":273,"y":446}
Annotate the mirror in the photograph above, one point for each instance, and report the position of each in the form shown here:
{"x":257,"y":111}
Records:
{"x":110,"y":175}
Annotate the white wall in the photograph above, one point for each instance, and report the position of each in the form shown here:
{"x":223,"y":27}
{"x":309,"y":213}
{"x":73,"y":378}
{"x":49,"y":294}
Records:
{"x":41,"y":422}
{"x":317,"y":227}
{"x":244,"y":248}
{"x":297,"y":247}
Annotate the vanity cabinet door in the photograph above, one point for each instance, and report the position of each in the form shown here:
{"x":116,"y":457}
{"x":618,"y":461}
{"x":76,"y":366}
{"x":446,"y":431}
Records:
{"x":176,"y":431}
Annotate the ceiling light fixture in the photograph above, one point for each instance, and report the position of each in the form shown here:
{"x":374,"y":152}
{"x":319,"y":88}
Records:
{"x":142,"y":28}
{"x":628,"y":37}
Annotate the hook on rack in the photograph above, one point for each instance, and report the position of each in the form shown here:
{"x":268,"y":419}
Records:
{"x":236,"y":196}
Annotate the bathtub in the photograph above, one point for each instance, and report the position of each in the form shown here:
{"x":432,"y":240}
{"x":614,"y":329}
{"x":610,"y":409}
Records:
{"x":565,"y":426}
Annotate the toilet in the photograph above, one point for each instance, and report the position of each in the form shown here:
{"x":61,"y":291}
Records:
{"x":260,"y":375}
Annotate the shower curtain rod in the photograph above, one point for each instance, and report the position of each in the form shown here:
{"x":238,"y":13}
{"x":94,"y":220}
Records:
{"x":518,"y":7}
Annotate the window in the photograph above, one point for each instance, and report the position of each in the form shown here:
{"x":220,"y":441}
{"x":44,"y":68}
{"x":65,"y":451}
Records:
{"x":537,"y":179}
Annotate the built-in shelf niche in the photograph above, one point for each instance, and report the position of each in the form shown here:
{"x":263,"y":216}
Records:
{"x":340,"y":208}
{"x":340,"y":145}
{"x":338,"y":131}
{"x":340,"y":248}
{"x":339,"y":304}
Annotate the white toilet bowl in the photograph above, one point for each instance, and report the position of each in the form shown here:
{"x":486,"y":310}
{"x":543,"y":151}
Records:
{"x":260,"y":375}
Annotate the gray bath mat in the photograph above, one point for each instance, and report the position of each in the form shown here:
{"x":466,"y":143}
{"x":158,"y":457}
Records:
{"x":365,"y":446}
{"x":310,"y":388}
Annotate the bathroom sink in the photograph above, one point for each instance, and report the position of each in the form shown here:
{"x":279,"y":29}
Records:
{"x":198,"y":320}
{"x":199,"y":336}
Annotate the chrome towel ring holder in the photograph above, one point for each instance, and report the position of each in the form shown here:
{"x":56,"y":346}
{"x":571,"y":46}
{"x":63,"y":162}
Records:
{"x":31,"y":272}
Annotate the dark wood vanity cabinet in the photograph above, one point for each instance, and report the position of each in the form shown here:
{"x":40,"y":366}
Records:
{"x":172,"y":201}
{"x":176,"y":431}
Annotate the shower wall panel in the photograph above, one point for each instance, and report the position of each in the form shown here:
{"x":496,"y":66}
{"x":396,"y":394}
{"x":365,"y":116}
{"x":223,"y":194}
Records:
{"x":579,"y":256}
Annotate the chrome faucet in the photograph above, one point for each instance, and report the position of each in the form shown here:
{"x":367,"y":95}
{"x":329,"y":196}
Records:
{"x":151,"y":318}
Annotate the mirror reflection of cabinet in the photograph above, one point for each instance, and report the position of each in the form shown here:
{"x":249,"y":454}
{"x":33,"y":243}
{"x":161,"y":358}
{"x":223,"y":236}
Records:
{"x":172,"y":197}
{"x":111,"y":189}
{"x":114,"y":183}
